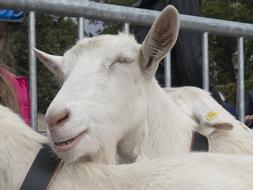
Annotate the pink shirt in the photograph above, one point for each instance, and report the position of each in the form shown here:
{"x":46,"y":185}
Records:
{"x":21,"y":89}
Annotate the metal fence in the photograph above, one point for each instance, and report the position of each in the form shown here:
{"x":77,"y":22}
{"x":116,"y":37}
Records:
{"x":107,"y":12}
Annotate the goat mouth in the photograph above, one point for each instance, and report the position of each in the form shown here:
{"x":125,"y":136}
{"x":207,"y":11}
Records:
{"x":69,"y":144}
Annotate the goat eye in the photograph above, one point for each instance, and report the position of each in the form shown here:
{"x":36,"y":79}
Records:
{"x":121,"y":60}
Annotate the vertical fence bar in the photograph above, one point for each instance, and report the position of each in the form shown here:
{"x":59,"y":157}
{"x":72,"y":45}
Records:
{"x":80,"y":24}
{"x":167,"y":70}
{"x":32,"y":70}
{"x":205,"y":62}
{"x":126,"y":28}
{"x":240,"y":60}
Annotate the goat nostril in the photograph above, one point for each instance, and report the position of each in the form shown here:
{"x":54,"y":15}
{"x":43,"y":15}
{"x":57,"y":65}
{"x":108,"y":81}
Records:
{"x":57,"y":118}
{"x":64,"y":117}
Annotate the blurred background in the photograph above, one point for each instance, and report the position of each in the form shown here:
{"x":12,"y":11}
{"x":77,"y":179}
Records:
{"x":56,"y":34}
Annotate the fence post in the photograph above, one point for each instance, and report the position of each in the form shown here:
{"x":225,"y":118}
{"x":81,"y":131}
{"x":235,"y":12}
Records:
{"x":167,"y":70}
{"x":32,"y":70}
{"x":240,"y":61}
{"x":80,"y":23}
{"x":205,"y":62}
{"x":126,"y":28}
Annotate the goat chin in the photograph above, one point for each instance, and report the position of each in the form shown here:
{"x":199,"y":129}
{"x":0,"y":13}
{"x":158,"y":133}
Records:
{"x":19,"y":146}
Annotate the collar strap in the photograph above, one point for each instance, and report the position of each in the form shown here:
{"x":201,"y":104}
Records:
{"x":42,"y":169}
{"x":199,"y":143}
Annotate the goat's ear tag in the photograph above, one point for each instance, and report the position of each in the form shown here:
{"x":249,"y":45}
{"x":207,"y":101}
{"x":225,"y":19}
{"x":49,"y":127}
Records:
{"x":213,"y":120}
{"x":211,"y":116}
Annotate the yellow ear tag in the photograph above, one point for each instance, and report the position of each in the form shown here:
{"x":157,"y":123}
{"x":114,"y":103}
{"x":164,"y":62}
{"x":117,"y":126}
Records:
{"x":211,"y":115}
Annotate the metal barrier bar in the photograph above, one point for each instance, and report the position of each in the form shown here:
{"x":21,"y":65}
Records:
{"x":205,"y":62}
{"x":80,"y":23}
{"x":32,"y":70}
{"x":240,"y":60}
{"x":126,"y":28}
{"x":101,"y":11}
{"x":167,"y":70}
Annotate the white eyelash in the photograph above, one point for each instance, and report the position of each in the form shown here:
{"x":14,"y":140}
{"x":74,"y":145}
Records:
{"x":122,"y":60}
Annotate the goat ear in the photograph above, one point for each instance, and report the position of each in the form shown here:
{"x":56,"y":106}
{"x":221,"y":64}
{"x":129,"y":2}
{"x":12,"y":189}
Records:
{"x":223,"y":126}
{"x":159,"y":40}
{"x":52,"y":62}
{"x":217,"y":120}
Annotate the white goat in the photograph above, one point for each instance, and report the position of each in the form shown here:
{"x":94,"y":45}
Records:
{"x":225,"y":134}
{"x":19,"y":146}
{"x":110,"y":90}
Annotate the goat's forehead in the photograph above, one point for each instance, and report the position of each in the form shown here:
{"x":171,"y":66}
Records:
{"x":106,"y":43}
{"x":104,"y":47}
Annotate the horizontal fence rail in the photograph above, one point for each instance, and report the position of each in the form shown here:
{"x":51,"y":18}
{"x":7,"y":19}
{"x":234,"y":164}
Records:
{"x":100,"y":11}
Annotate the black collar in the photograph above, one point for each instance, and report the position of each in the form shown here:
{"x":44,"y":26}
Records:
{"x":199,"y":143}
{"x":42,"y":169}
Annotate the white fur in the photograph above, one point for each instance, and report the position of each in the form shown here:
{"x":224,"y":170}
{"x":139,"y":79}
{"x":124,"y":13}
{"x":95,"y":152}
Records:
{"x":197,"y":103}
{"x":110,"y":91}
{"x":18,"y":148}
{"x":19,"y":145}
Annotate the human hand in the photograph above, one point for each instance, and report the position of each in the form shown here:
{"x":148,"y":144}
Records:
{"x":248,"y":117}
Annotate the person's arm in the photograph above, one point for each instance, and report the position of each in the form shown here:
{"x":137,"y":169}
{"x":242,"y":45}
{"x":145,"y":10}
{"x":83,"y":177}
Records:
{"x":249,"y":110}
{"x":249,"y":104}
